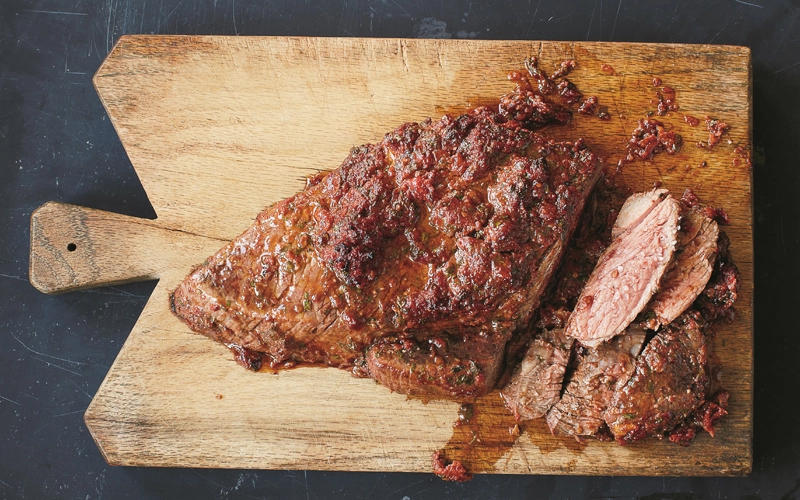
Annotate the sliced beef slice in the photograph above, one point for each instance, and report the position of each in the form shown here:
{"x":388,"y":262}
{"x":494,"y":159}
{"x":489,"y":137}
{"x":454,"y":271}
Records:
{"x":535,"y":386}
{"x":690,"y":271}
{"x":628,"y":272}
{"x":600,"y":373}
{"x":670,"y":381}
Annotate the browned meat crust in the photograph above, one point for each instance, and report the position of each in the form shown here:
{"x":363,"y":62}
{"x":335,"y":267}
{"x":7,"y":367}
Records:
{"x":536,"y":387}
{"x":444,"y":365}
{"x":703,"y":418}
{"x":669,"y":383}
{"x":447,"y":228}
{"x":716,"y":300}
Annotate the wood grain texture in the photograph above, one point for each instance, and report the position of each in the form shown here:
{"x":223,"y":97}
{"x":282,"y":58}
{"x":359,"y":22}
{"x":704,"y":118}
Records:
{"x":218,"y":128}
{"x":74,"y":248}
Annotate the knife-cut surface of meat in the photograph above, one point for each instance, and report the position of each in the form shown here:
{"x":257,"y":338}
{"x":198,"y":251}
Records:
{"x":629,"y":270}
{"x":636,"y":207}
{"x":433,"y":245}
{"x":690,"y":271}
{"x":535,"y":386}
{"x":600,"y":373}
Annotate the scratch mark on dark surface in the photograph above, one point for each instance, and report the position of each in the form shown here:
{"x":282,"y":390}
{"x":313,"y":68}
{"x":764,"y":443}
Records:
{"x":398,"y":490}
{"x":599,"y":26}
{"x":533,"y":19}
{"x":375,"y":485}
{"x":233,"y":9}
{"x":68,"y":413}
{"x":40,"y":429}
{"x":10,"y":400}
{"x":4,"y":483}
{"x":168,"y":16}
{"x":120,"y":293}
{"x":129,"y":294}
{"x":671,"y":496}
{"x":305,"y":476}
{"x":108,"y":26}
{"x":750,"y":4}
{"x":79,"y":388}
{"x":718,"y":32}
{"x":782,"y":69}
{"x":788,"y":494}
{"x":613,"y":26}
{"x":56,"y":366}
{"x":13,"y":277}
{"x":56,"y":12}
{"x":407,"y":13}
{"x":43,"y":354}
{"x":588,"y":31}
{"x":223,"y":487}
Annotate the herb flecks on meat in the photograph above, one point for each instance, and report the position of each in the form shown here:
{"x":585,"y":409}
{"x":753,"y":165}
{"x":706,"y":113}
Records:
{"x":413,"y":263}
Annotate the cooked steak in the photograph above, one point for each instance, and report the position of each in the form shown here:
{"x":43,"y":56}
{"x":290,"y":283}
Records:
{"x":446,"y":230}
{"x":603,"y":374}
{"x":691,"y":268}
{"x":669,"y":383}
{"x":535,"y":385}
{"x":600,"y":372}
{"x":629,"y":270}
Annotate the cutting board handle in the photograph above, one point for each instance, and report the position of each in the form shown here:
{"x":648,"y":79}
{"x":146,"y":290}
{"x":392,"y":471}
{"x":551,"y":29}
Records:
{"x":74,"y":248}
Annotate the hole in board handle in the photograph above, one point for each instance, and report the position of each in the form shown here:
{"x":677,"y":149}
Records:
{"x":71,"y":247}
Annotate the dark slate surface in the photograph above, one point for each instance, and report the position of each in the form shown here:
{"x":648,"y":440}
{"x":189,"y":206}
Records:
{"x":56,"y":143}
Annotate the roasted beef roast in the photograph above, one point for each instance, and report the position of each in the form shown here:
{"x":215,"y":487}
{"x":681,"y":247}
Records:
{"x":413,"y":263}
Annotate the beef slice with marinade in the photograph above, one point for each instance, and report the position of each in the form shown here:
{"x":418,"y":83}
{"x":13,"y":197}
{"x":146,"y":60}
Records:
{"x":600,"y":372}
{"x":670,"y":382}
{"x":536,"y":383}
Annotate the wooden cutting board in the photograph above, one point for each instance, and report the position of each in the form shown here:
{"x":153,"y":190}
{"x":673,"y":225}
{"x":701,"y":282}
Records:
{"x":217,"y":128}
